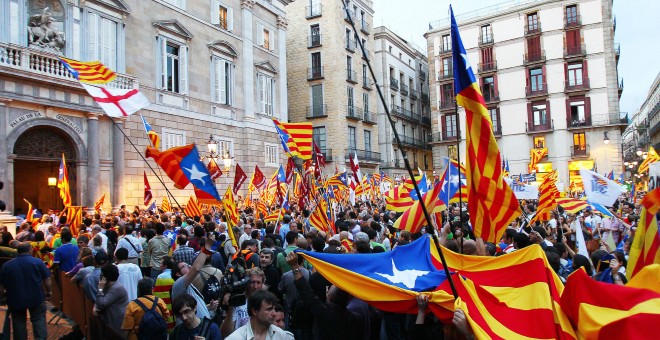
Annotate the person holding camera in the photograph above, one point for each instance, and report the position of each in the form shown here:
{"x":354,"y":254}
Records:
{"x":237,"y":316}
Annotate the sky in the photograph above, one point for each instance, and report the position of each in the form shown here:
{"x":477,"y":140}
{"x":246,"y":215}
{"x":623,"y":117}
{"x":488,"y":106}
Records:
{"x":636,"y":20}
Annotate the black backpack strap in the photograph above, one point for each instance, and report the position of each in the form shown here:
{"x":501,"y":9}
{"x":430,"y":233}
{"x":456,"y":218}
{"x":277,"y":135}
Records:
{"x":206,"y":326}
{"x":142,"y":305}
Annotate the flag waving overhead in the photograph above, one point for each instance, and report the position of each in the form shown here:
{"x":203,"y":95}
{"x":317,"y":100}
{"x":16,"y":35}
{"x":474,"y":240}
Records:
{"x":413,"y":219}
{"x":645,"y":249}
{"x":148,"y":195}
{"x":154,"y":138}
{"x":257,"y":181}
{"x":239,"y":179}
{"x":214,"y":169}
{"x":90,"y":72}
{"x":652,"y":157}
{"x":99,"y":203}
{"x":30,"y":212}
{"x":63,"y":183}
{"x":117,"y":102}
{"x":599,"y":189}
{"x":296,"y":138}
{"x":192,"y":208}
{"x":492,"y":203}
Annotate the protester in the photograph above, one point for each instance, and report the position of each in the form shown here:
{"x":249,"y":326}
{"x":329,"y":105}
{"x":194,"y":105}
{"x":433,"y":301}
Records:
{"x":111,"y":298}
{"x":129,"y":273}
{"x":261,"y":308}
{"x":192,"y":326}
{"x":136,"y":310}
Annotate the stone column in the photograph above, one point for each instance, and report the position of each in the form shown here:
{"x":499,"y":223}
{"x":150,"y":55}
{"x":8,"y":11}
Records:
{"x":248,"y":59}
{"x":4,"y":162}
{"x":118,"y":194}
{"x":93,"y":161}
{"x":281,"y":49}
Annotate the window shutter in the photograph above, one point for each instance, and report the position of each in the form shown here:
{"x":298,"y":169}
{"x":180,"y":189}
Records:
{"x":222,"y":81}
{"x":585,"y":73}
{"x":545,"y":80}
{"x":527,"y":82}
{"x":215,"y":12}
{"x":183,"y":69}
{"x":569,"y":119}
{"x":271,"y":95}
{"x":161,"y":44}
{"x":587,"y":110}
{"x":497,"y":93}
{"x":530,"y":117}
{"x":92,"y":37}
{"x":214,"y":80}
{"x":230,"y":19}
{"x":271,"y":41}
{"x":444,"y":126}
{"x":548,"y":117}
{"x":230,"y":83}
{"x":260,"y":34}
{"x":566,"y":78}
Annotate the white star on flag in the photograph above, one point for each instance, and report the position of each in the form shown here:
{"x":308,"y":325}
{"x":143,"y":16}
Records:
{"x":196,"y":175}
{"x":405,"y":277}
{"x":467,"y":62}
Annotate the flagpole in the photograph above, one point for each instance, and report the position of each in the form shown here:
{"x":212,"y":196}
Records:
{"x":458,"y":160}
{"x":152,"y":144}
{"x":429,"y":222}
{"x":145,"y":160}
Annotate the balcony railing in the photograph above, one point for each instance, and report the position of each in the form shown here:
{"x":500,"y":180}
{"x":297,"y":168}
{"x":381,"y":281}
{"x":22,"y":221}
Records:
{"x":490,"y":95}
{"x":580,"y":150}
{"x":327,"y":153}
{"x":444,"y":137}
{"x":317,"y":111}
{"x":369,"y":117}
{"x":366,"y":155}
{"x":422,"y":75}
{"x":404,"y":89}
{"x":364,"y":27}
{"x":353,"y":112}
{"x":620,"y":85}
{"x":548,"y":125}
{"x":538,"y":90}
{"x":46,"y":66}
{"x":572,"y":21}
{"x":576,"y":85}
{"x":314,"y":40}
{"x":445,"y":49}
{"x":447,"y":74}
{"x":488,"y":67}
{"x":617,"y":51}
{"x":394,"y":84}
{"x":447,"y":104}
{"x":425,"y":98}
{"x":486,"y":39}
{"x":577,"y":122}
{"x":400,"y":112}
{"x":426,"y":120}
{"x":351,"y":76}
{"x":315,"y":73}
{"x":413,"y":94}
{"x":346,"y":16}
{"x":534,"y":57}
{"x":313,"y":11}
{"x":366,"y":83}
{"x":350,"y":44}
{"x":409,"y":141}
{"x":532,"y":29}
{"x":575,"y":51}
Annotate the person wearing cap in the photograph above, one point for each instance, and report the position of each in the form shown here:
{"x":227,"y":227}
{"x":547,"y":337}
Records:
{"x":91,"y":282}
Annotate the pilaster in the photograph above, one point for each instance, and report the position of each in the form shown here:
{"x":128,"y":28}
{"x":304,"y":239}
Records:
{"x":93,"y":161}
{"x":118,"y":163}
{"x":248,"y":59}
{"x":282,"y":24}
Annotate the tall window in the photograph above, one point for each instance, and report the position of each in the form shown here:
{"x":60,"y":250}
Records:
{"x":579,"y":141}
{"x":270,"y":152}
{"x":350,"y":101}
{"x":536,"y":79}
{"x":102,"y":37}
{"x":318,"y":134}
{"x":486,"y":34}
{"x":367,"y":140}
{"x":488,"y":88}
{"x":571,"y":15}
{"x":446,"y":67}
{"x":577,"y":113}
{"x":317,"y":100}
{"x":316,"y":65}
{"x":315,"y":31}
{"x":173,"y":138}
{"x":532,"y":22}
{"x":365,"y":103}
{"x":349,"y":64}
{"x":574,"y":74}
{"x":352,"y":138}
{"x":224,"y":17}
{"x":266,"y":93}
{"x":495,"y":118}
{"x":222,"y":81}
{"x":264,"y":37}
{"x":450,"y":125}
{"x":539,"y":114}
{"x":364,"y":74}
{"x":447,"y":94}
{"x":446,"y":43}
{"x":172,"y":68}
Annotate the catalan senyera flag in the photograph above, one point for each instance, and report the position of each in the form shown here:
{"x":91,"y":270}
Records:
{"x":492,"y":202}
{"x":652,"y":157}
{"x":90,"y":72}
{"x":600,"y":310}
{"x":99,"y":203}
{"x":63,"y":183}
{"x":165,"y":205}
{"x":548,"y":195}
{"x":572,"y":205}
{"x":257,"y":181}
{"x":413,"y":219}
{"x":154,"y":138}
{"x":192,"y":208}
{"x":296,"y":138}
{"x":232,"y":215}
{"x":74,"y":218}
{"x":319,"y":217}
{"x":645,"y":249}
{"x":535,"y":156}
{"x":402,"y":197}
{"x":30,"y":212}
{"x":274,"y":216}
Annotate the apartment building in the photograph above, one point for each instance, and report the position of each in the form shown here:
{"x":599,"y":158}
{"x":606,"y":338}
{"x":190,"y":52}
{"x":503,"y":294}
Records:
{"x":401,"y":70}
{"x":328,"y":81}
{"x":548,"y":73}
{"x":210,"y":68}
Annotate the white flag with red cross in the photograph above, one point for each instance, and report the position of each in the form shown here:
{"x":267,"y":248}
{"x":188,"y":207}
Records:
{"x":117,"y":102}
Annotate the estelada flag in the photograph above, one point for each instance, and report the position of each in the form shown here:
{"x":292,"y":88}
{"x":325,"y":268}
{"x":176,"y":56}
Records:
{"x":63,"y":183}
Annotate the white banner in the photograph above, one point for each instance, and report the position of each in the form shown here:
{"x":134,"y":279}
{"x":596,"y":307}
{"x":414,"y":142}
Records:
{"x":524,"y":191}
{"x":599,"y":189}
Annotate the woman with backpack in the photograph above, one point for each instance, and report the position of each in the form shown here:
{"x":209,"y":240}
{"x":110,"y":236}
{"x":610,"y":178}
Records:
{"x":145,"y":316}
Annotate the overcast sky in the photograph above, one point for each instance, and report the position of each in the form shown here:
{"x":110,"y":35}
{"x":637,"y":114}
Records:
{"x":636,"y":30}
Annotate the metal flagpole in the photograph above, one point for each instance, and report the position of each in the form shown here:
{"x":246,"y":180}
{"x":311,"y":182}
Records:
{"x":403,"y":152}
{"x":145,"y":160}
{"x":458,"y":161}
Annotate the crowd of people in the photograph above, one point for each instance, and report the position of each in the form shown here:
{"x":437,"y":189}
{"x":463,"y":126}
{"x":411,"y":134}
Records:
{"x":153,"y":274}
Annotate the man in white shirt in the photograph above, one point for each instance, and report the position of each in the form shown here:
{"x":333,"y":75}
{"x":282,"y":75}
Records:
{"x":129,"y":274}
{"x":131,"y":244}
{"x":47,"y":222}
{"x":261,"y":308}
{"x":96,"y":230}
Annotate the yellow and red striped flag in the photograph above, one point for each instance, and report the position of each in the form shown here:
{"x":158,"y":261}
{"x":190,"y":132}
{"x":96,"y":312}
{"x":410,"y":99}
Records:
{"x":99,"y":203}
{"x":90,"y":72}
{"x":274,"y":216}
{"x":165,"y":205}
{"x":231,"y":214}
{"x":572,"y":205}
{"x":319,"y":217}
{"x":413,"y":219}
{"x":296,"y":138}
{"x":651,"y":158}
{"x":492,"y":202}
{"x":74,"y":218}
{"x":645,"y":249}
{"x":192,"y":208}
{"x":535,"y":156}
{"x":30,"y":212}
{"x":547,"y":198}
{"x":63,"y":183}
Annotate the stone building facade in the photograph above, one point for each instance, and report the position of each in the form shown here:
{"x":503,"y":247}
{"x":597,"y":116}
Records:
{"x":328,"y":81}
{"x":209,"y":68}
{"x":548,"y":72}
{"x":402,"y":68}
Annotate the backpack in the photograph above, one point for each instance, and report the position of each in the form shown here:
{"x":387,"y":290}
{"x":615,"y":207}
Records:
{"x":152,"y":325}
{"x":211,"y":289}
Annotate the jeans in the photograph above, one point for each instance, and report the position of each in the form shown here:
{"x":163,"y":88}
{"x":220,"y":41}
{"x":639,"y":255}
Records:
{"x":38,"y":319}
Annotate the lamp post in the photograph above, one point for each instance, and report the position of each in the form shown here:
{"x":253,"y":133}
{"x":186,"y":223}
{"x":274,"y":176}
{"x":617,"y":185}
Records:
{"x":227,"y":160}
{"x":52,"y":183}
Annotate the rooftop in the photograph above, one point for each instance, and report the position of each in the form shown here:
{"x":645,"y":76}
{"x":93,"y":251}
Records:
{"x":484,"y":12}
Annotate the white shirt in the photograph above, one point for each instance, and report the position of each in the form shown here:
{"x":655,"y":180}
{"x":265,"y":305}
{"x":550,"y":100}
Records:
{"x":274,"y":333}
{"x":104,"y":241}
{"x":124,"y":243}
{"x":44,"y":227}
{"x":129,"y":275}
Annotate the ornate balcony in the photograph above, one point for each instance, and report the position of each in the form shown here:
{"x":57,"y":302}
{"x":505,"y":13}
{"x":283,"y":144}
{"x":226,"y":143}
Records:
{"x":533,"y":29}
{"x":536,"y":91}
{"x":486,"y":39}
{"x":351,"y":76}
{"x":534,"y":57}
{"x":572,"y":52}
{"x":404,"y":89}
{"x":576,"y":85}
{"x":547,"y":126}
{"x":487,"y":67}
{"x":577,"y":123}
{"x":394,"y":84}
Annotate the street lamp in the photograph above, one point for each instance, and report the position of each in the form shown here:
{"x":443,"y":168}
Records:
{"x":606,"y":140}
{"x":645,"y":155}
{"x":639,"y":152}
{"x":212,"y":145}
{"x":227,"y":160}
{"x":52,"y":183}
